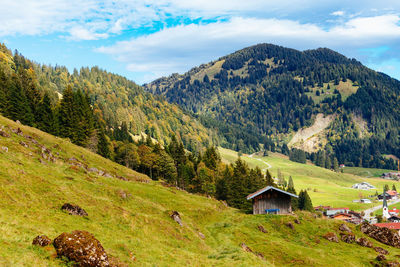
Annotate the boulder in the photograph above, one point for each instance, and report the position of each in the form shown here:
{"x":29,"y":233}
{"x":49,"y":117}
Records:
{"x":262,"y":229}
{"x":381,"y":250}
{"x":380,"y":257}
{"x":381,"y":234}
{"x":290,"y":225}
{"x":348,"y":237}
{"x":41,"y":240}
{"x":81,"y":247}
{"x":4,"y":148}
{"x":202,"y":236}
{"x":23,"y":144}
{"x":296,"y":221}
{"x":344,"y":228}
{"x":362,"y":241}
{"x":176,"y":217}
{"x":4,"y":134}
{"x":331,"y":237}
{"x":74,"y":209}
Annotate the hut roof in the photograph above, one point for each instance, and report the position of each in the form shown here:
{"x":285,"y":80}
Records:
{"x":265,"y":189}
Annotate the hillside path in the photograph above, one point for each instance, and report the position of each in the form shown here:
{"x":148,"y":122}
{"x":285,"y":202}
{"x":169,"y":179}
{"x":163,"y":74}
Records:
{"x":263,"y":161}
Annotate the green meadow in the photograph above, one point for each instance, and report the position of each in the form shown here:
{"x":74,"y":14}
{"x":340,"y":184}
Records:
{"x":325,"y":187}
{"x":131,"y":218}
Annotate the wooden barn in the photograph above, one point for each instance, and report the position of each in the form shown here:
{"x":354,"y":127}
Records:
{"x":271,"y":200}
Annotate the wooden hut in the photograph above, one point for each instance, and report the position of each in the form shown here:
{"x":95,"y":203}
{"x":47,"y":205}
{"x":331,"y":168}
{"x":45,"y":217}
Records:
{"x":271,"y":200}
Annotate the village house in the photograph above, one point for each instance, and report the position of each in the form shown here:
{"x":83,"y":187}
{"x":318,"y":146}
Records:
{"x":365,"y":200}
{"x":393,"y":194}
{"x":363,"y":186}
{"x":394,"y":219}
{"x":394,"y":212}
{"x":391,"y":175}
{"x":388,"y":196}
{"x":271,"y":200}
{"x":333,"y":211}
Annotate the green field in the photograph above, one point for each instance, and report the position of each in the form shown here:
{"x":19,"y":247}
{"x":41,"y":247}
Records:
{"x":131,"y":218}
{"x":364,"y":172}
{"x":324,"y":186}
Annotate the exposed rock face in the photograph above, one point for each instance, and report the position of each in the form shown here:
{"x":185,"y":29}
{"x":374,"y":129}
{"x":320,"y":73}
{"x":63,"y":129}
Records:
{"x":362,"y":241}
{"x":381,"y":250}
{"x":331,"y":237}
{"x":261,"y":228}
{"x":82,"y":248}
{"x":348,"y":237}
{"x":343,"y":227}
{"x":74,"y":209}
{"x":41,"y":240}
{"x":381,"y":234}
{"x":176,"y":217}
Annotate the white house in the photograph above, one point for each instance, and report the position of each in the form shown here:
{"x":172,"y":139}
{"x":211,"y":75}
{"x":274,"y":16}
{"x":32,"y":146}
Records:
{"x":363,"y":186}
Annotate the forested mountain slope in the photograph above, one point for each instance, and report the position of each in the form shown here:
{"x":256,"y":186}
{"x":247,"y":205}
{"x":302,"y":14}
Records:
{"x":115,"y":99}
{"x":265,"y":93}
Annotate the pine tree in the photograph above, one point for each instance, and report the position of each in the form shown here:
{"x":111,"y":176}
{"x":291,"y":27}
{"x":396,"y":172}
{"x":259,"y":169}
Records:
{"x":66,"y":114}
{"x":290,"y":184}
{"x":103,"y":146}
{"x":394,"y":187}
{"x":335,"y":164}
{"x":305,"y":201}
{"x":18,"y":107}
{"x":328,"y":164}
{"x":385,"y":188}
{"x":46,"y":119}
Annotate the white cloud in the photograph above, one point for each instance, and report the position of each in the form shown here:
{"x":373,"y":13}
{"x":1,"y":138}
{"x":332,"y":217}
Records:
{"x":79,"y":33}
{"x":338,"y":13}
{"x":179,"y":48}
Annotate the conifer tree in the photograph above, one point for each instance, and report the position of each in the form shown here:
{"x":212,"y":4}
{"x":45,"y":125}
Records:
{"x":335,"y":164}
{"x":103,"y":146}
{"x":46,"y":120}
{"x":394,"y":187}
{"x":269,"y":180}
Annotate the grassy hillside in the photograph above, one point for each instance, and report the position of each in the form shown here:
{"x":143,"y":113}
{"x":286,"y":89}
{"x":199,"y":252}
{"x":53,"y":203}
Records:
{"x":130,"y":218}
{"x":324,"y":186}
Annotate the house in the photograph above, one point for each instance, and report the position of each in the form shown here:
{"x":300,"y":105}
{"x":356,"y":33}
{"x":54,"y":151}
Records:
{"x":391,"y":175}
{"x":365,"y":200}
{"x":342,"y":216}
{"x":394,"y":211}
{"x":271,"y":200}
{"x":394,"y":219}
{"x":363,"y":186}
{"x":322,"y":208}
{"x":342,"y":166}
{"x":388,"y":197}
{"x":333,"y":211}
{"x":393,"y":194}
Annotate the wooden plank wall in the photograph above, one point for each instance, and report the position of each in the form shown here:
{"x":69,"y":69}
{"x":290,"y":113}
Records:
{"x":272,"y":200}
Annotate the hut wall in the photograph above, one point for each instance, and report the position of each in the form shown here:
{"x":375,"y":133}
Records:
{"x":272,"y":200}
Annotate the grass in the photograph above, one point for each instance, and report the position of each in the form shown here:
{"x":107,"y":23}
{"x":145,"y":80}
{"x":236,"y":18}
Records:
{"x":31,"y":194}
{"x":366,"y":172}
{"x":345,"y":88}
{"x":325,"y":187}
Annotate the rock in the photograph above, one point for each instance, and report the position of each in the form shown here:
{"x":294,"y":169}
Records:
{"x":4,"y":134}
{"x":123,"y":194}
{"x":392,"y":263}
{"x":225,"y":204}
{"x":331,"y":237}
{"x":122,"y":178}
{"x":381,"y":250}
{"x":246,"y":248}
{"x":348,"y":237}
{"x":362,"y":241}
{"x":41,"y":240}
{"x":202,"y":236}
{"x":343,"y":227}
{"x":4,"y":148}
{"x":381,"y":234}
{"x":290,"y":225}
{"x":296,"y":221}
{"x":261,"y":228}
{"x":23,"y":144}
{"x":81,"y":247}
{"x":17,"y":121}
{"x":107,"y":175}
{"x":17,"y":131}
{"x":260,"y":255}
{"x":74,"y":209}
{"x":380,"y":257}
{"x":176,"y":217}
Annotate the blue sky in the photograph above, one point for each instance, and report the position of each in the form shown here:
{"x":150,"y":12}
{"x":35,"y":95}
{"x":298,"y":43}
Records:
{"x":144,"y":40}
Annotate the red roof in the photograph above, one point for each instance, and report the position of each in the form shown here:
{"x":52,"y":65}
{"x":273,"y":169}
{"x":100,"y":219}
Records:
{"x":342,"y":214}
{"x":392,"y":192}
{"x":389,"y":225}
{"x":394,"y":210}
{"x":338,"y":209}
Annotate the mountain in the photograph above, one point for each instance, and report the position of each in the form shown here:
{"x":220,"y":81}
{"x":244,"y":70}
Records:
{"x":313,"y":100}
{"x":115,"y":100}
{"x":130,"y":215}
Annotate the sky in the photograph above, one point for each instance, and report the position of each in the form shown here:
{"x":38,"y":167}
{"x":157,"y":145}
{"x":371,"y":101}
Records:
{"x":145,"y":40}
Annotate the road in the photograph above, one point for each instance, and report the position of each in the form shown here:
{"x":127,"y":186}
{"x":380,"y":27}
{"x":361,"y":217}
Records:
{"x":367,"y":212}
{"x":263,"y":161}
